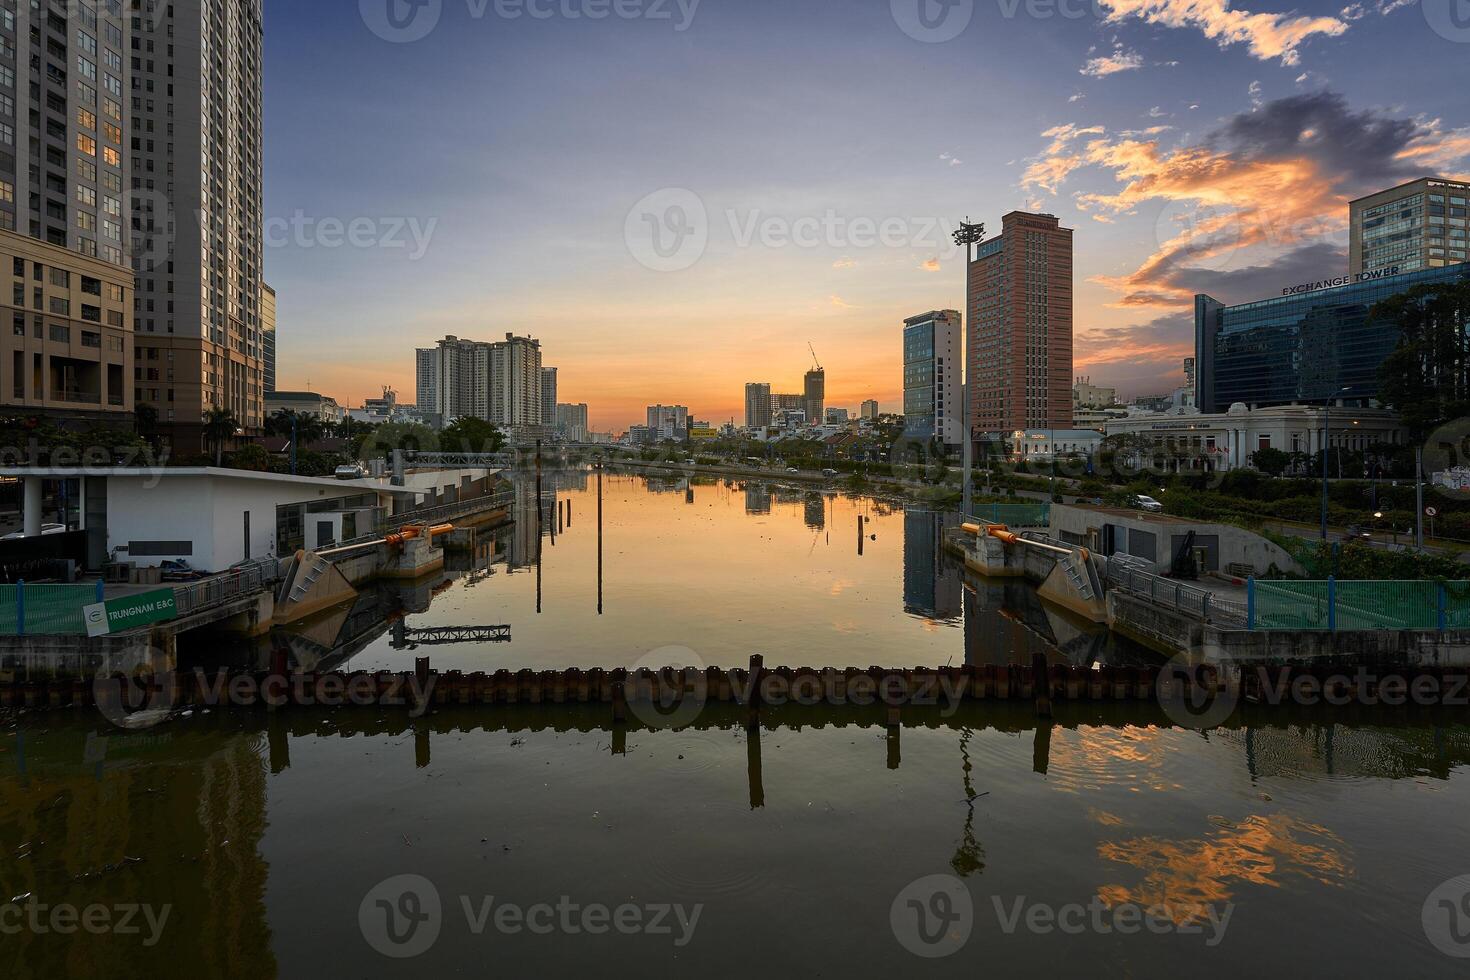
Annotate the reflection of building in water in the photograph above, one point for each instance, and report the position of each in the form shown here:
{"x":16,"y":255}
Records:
{"x":931,"y":582}
{"x":155,"y":819}
{"x":523,"y":539}
{"x":757,"y":498}
{"x":815,"y":511}
{"x":1335,"y":750}
{"x":1006,"y":622}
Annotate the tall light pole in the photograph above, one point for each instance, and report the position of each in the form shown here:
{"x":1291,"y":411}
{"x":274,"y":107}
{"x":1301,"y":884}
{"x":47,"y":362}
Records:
{"x":1326,"y":452}
{"x":968,"y":235}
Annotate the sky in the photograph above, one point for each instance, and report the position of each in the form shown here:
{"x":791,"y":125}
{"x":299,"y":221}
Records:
{"x":676,"y":197}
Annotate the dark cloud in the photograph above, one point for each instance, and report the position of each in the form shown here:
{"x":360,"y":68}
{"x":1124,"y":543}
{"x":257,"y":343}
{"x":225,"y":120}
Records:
{"x":1309,"y":263}
{"x":1357,"y":148}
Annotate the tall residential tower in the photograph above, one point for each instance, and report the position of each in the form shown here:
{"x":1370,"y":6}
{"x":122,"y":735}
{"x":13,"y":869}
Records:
{"x":197,"y":203}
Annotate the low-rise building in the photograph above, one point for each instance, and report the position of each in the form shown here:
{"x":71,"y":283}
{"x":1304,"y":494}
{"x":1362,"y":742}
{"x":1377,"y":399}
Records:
{"x":323,"y":407}
{"x":1050,"y":443}
{"x":1227,"y":440}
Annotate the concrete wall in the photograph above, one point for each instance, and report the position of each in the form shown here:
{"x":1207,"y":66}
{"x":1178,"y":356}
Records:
{"x":1235,"y":545}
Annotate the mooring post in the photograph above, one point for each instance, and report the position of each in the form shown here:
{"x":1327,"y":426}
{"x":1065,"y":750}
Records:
{"x":421,"y":673}
{"x":860,"y":534}
{"x":753,"y":699}
{"x":421,"y":745}
{"x":1041,"y":747}
{"x":619,"y":702}
{"x":894,"y":755}
{"x":753,"y":767}
{"x":1041,"y":684}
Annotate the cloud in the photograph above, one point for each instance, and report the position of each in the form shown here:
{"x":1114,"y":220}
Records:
{"x":930,"y":265}
{"x":1267,"y":36}
{"x":845,"y":263}
{"x":1268,"y":183}
{"x":1254,"y":91}
{"x":1076,"y":97}
{"x":1105,"y":65}
{"x":1157,"y":112}
{"x":838,"y":302}
{"x":951,"y":159}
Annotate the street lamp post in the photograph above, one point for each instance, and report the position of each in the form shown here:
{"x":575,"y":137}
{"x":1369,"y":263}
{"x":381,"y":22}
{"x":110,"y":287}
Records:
{"x":1326,"y":452}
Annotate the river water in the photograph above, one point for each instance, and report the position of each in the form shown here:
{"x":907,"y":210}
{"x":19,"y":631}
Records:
{"x":539,"y":840}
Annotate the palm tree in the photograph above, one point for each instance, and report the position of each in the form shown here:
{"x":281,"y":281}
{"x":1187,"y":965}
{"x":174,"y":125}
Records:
{"x":219,"y":426}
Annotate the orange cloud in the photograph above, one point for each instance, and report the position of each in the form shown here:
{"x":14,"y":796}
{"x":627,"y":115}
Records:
{"x":1267,"y":36}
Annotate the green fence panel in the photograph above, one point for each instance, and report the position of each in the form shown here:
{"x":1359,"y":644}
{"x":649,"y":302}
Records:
{"x":1360,"y":605}
{"x":1014,"y":515}
{"x":50,"y":610}
{"x":1457,"y":605}
{"x":1291,"y":605}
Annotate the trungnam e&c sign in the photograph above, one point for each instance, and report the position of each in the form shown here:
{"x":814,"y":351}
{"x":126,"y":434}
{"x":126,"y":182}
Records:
{"x":116,"y":615}
{"x":1312,"y":287}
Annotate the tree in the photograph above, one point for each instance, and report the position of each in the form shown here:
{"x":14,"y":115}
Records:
{"x":305,"y":427}
{"x":220,"y":426}
{"x":251,"y":457}
{"x":471,"y":435}
{"x":1427,"y":377}
{"x":1272,"y":462}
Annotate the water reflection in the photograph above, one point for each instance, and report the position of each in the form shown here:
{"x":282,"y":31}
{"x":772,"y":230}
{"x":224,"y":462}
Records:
{"x":261,"y":832}
{"x":747,"y":567}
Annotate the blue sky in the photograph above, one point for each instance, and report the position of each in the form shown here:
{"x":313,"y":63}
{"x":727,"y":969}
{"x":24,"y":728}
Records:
{"x":819,"y":152}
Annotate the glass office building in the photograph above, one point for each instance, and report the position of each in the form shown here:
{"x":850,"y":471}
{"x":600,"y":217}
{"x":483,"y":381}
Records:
{"x":1303,"y":347}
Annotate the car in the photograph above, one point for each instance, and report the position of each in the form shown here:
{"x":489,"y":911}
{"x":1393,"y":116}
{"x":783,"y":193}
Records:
{"x":829,"y":474}
{"x":178,"y":570}
{"x":792,"y":469}
{"x":45,"y":529}
{"x":1358,"y":531}
{"x":1144,"y":502}
{"x":351,"y":471}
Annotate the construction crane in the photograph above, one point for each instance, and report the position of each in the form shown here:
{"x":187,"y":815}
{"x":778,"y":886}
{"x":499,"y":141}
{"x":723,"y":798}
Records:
{"x":815,"y":359}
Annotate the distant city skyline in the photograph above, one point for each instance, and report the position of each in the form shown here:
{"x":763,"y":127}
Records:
{"x":1193,"y":148}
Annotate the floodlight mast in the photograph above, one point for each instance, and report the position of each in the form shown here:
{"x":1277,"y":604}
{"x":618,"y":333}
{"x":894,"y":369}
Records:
{"x":969,"y":235}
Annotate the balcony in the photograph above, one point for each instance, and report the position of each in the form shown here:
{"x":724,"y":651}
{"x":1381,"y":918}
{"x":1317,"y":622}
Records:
{"x":78,"y":397}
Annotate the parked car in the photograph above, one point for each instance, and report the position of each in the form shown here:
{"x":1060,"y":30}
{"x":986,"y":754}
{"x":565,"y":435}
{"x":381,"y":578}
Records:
{"x":351,"y":471}
{"x":45,"y":529}
{"x":792,"y":469}
{"x":1144,"y":502}
{"x":830,"y":474}
{"x":178,"y":570}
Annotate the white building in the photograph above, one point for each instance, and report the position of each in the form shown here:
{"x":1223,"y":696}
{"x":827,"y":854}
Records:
{"x":499,"y":382}
{"x":668,"y":422}
{"x":1049,"y":443}
{"x":1227,"y":440}
{"x":213,"y":518}
{"x":323,"y":407}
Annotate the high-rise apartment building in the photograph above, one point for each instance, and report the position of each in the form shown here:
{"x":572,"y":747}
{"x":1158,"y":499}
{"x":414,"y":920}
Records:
{"x":931,"y":377}
{"x":757,"y":404}
{"x":515,"y":382}
{"x":869,"y":409}
{"x":1418,"y":225}
{"x":64,"y":176}
{"x":499,"y":382}
{"x":1020,"y":327}
{"x":196,"y":136}
{"x":814,"y":395}
{"x":548,"y":396}
{"x":668,"y":422}
{"x":267,"y":337}
{"x":571,"y":422}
